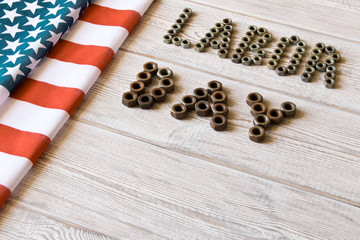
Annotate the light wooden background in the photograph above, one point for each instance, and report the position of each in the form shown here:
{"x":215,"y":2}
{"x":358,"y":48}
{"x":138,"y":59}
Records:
{"x":119,"y":173}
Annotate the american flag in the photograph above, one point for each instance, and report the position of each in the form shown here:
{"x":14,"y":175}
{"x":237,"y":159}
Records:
{"x":41,"y":104}
{"x":28,"y":29}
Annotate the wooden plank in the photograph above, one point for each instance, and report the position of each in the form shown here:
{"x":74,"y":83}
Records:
{"x":146,"y":40}
{"x":120,"y":186}
{"x":303,"y":152}
{"x":18,"y":222}
{"x":338,"y":19}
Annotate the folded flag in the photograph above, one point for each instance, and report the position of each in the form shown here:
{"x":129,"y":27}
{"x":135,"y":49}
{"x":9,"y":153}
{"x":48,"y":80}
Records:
{"x":28,"y":29}
{"x":41,"y":104}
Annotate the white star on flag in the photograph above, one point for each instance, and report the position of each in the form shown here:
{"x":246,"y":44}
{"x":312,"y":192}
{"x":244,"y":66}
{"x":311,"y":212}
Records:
{"x":35,"y":33}
{"x":54,"y":37}
{"x":32,"y":6}
{"x":33,"y":63}
{"x":54,"y":10}
{"x":13,"y":30}
{"x":36,"y":45}
{"x":14,"y":58}
{"x":74,"y":13}
{"x":56,"y":21}
{"x":11,"y":14}
{"x":33,"y":21}
{"x":10,"y":2}
{"x":12,"y":45}
{"x":50,"y":1}
{"x":14,"y":71}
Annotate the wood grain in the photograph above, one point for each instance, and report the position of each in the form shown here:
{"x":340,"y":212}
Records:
{"x":122,"y":187}
{"x":161,"y":15}
{"x":120,"y":173}
{"x":303,"y":151}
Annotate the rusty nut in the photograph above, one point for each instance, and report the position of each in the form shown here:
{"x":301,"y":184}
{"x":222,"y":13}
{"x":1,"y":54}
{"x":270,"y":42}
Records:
{"x":145,"y":101}
{"x":151,"y":67}
{"x":159,"y":94}
{"x":167,"y":84}
{"x":203,"y":108}
{"x":262,"y":120}
{"x":178,"y":111}
{"x":164,"y":73}
{"x":218,"y":122}
{"x":144,"y":77}
{"x":137,"y":87}
{"x":253,"y":97}
{"x":276,"y":115}
{"x":288,"y":109}
{"x":257,"y":134}
{"x":189,"y":102}
{"x":220,"y":109}
{"x":200,"y":93}
{"x":129,"y":99}
{"x":218,"y":97}
{"x":258,"y":108}
{"x":214,"y":86}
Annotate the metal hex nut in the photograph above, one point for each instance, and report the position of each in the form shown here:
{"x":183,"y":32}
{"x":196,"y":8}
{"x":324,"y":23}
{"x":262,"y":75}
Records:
{"x":321,"y":67}
{"x":285,"y":40}
{"x":257,"y":60}
{"x":188,"y":11}
{"x":209,"y":35}
{"x":144,"y":77}
{"x":218,"y":97}
{"x":129,"y":99}
{"x":257,"y":134}
{"x":261,"y":31}
{"x":288,"y":109}
{"x":250,"y":35}
{"x":167,"y":84}
{"x":189,"y":102}
{"x":225,"y":34}
{"x":331,"y":69}
{"x":316,"y":52}
{"x":294,"y":39}
{"x":278,"y":51}
{"x":228,"y":28}
{"x":200,"y":93}
{"x":243,"y":45}
{"x":178,"y":111}
{"x":159,"y":94}
{"x":223,"y":53}
{"x":167,"y":39}
{"x":254,"y":47}
{"x":176,"y":41}
{"x":294,"y":62}
{"x":281,"y":45}
{"x":205,"y":41}
{"x":227,"y":21}
{"x":262,"y":42}
{"x":203,"y":108}
{"x":301,"y":44}
{"x":291,"y":69}
{"x":314,"y":58}
{"x":199,"y":47}
{"x":145,"y":101}
{"x":260,"y":53}
{"x":218,"y":122}
{"x":262,"y":120}
{"x":164,"y":73}
{"x":300,"y":50}
{"x":214,"y":31}
{"x":306,"y":77}
{"x":184,"y":16}
{"x":271,"y":64}
{"x":320,"y":46}
{"x":137,"y":87}
{"x":151,"y":67}
{"x":239,"y":51}
{"x":224,"y":45}
{"x":214,"y":86}
{"x":267,"y":37}
{"x":329,"y":62}
{"x":185,"y":43}
{"x":275,"y":57}
{"x":330,"y":49}
{"x":180,"y":21}
{"x":247,"y":61}
{"x":253,"y":97}
{"x":329,"y":75}
{"x":297,"y":56}
{"x":310,"y":63}
{"x":220,"y":109}
{"x":252,"y":28}
{"x":310,"y":70}
{"x":281,"y":71}
{"x":329,"y":83}
{"x":336,"y":57}
{"x":258,"y":108}
{"x":236,"y":58}
{"x":220,"y":26}
{"x":214,"y":44}
{"x":276,"y":115}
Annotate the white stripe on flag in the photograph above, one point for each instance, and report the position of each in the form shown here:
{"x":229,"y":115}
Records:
{"x":64,"y":74}
{"x":12,"y":169}
{"x":46,"y":121}
{"x":138,"y":5}
{"x":4,"y":93}
{"x":86,"y":33}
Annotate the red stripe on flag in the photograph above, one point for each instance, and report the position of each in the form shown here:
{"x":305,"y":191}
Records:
{"x":81,"y":54}
{"x":48,"y":95}
{"x":100,"y":15}
{"x":4,"y":194}
{"x":23,"y":144}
